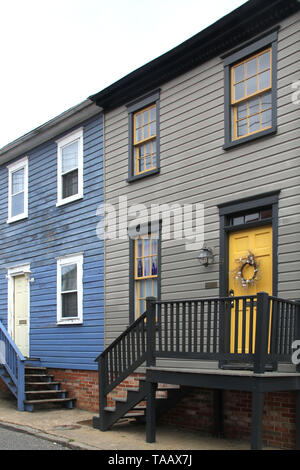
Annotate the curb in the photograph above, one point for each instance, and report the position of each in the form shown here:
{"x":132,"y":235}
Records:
{"x":74,"y":445}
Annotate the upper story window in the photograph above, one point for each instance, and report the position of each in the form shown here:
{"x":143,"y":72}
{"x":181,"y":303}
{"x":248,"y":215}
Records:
{"x":18,"y":190}
{"x":70,"y":167}
{"x":251,"y":96}
{"x":145,"y":140}
{"x":251,"y":92}
{"x":69,"y":289}
{"x":143,"y":137}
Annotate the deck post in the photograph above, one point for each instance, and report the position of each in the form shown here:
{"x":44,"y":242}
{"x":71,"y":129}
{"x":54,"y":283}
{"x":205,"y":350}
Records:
{"x":297,"y":419}
{"x":102,"y":365}
{"x":261,"y":335}
{"x":151,"y":386}
{"x":257,"y":419}
{"x":151,"y":412}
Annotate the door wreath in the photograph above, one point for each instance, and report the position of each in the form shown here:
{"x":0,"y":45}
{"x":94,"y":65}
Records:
{"x":250,"y":260}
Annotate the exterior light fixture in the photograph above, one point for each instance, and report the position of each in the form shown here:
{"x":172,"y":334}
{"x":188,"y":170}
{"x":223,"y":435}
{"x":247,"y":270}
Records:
{"x":205,"y":256}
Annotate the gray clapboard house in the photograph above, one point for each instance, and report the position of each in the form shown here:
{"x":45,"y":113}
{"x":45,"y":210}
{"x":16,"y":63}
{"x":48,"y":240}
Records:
{"x":212,"y":126}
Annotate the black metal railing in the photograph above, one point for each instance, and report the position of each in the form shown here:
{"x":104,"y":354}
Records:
{"x":257,"y":329}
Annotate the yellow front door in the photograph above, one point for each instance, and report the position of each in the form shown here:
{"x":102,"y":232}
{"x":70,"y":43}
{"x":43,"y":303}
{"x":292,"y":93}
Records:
{"x":21,"y":314}
{"x":243,"y":279}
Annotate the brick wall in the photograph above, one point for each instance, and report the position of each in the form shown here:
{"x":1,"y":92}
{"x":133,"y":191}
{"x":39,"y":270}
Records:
{"x":195,"y":411}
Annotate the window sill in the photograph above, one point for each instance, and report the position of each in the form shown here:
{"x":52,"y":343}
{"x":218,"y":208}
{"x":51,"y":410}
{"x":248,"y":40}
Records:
{"x":132,"y":179}
{"x":250,"y":138}
{"x":63,"y":202}
{"x":69,"y":322}
{"x":17,"y":218}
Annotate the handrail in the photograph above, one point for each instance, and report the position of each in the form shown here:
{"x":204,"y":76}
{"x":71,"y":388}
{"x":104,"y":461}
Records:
{"x":122,"y":335}
{"x":14,"y":365}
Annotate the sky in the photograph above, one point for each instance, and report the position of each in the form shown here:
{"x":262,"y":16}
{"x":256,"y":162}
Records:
{"x":56,"y":53}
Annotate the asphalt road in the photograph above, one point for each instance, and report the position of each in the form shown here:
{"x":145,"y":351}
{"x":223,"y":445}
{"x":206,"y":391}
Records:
{"x":15,"y":440}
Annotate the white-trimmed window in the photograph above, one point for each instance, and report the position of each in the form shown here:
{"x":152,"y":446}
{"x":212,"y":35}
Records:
{"x":70,"y":167}
{"x":18,"y":190}
{"x":69,"y":289}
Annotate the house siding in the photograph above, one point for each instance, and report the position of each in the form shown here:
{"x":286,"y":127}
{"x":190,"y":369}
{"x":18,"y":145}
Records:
{"x":50,"y":232}
{"x":196,"y":169}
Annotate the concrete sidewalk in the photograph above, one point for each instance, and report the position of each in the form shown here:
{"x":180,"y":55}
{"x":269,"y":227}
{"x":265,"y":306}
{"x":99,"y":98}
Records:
{"x":73,"y":428}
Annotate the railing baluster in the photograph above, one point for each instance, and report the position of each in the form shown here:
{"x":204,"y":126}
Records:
{"x":172,"y":327}
{"x":195,"y":326}
{"x":215,"y":331}
{"x":183,"y":326}
{"x":208,"y":325}
{"x":177,"y":328}
{"x":236,"y":325}
{"x":202,"y":327}
{"x":244,"y":304}
{"x":166,"y":326}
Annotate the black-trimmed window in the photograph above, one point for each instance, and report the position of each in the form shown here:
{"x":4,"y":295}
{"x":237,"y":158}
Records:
{"x":143,"y":124}
{"x":251,"y":91}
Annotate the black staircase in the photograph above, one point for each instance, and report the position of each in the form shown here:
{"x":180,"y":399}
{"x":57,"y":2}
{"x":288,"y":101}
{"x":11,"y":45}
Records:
{"x":116,"y":363}
{"x":41,"y":389}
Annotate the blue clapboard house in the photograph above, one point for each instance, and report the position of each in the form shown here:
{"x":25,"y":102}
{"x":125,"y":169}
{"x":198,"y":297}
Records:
{"x":52,"y":262}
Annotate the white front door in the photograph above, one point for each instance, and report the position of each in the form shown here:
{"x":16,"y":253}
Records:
{"x":21,"y":313}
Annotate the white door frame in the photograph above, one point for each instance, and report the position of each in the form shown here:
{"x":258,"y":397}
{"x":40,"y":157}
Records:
{"x":23,"y":269}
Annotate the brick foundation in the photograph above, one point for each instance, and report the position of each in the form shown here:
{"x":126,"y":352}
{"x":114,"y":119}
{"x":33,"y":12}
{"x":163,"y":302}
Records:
{"x":195,"y":412}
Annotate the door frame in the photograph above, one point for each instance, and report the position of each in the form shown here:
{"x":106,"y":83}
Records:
{"x":23,"y":269}
{"x":226,"y":210}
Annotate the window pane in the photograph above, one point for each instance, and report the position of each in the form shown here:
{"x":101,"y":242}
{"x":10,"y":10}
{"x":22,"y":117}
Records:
{"x":146,"y":247}
{"x":140,"y":248}
{"x":254,"y":106}
{"x":154,"y":266}
{"x":239,"y":73}
{"x":70,"y":184}
{"x":149,"y":288}
{"x":266,"y":118}
{"x":238,"y":220}
{"x":145,"y":132}
{"x":153,"y":114}
{"x":148,"y":163}
{"x":145,"y":117}
{"x":251,"y":85}
{"x":138,"y":135}
{"x":239,"y":91}
{"x":152,"y":128}
{"x":154,"y":287}
{"x":154,"y":247}
{"x":266,"y":101}
{"x":69,"y":277}
{"x":264,"y":61}
{"x":69,"y":305}
{"x":242,"y":111}
{"x":254,"y":123}
{"x":69,"y":157}
{"x":147,"y":267}
{"x":148,"y":148}
{"x":17,"y":204}
{"x":251,"y":217}
{"x":18,"y":181}
{"x":142,"y":306}
{"x":141,"y":165}
{"x":138,"y":121}
{"x":139,"y":268}
{"x":242,"y":128}
{"x":142,"y":291}
{"x":264,"y":80}
{"x":251,"y":68}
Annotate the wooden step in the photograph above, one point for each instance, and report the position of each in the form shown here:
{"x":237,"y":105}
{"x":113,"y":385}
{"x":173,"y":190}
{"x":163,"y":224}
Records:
{"x":40,"y":392}
{"x":43,"y":383}
{"x":50,"y":400}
